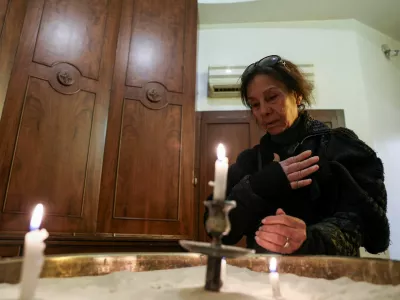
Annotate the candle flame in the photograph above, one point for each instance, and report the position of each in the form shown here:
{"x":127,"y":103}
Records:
{"x":37,"y":216}
{"x":272,"y":264}
{"x":220,"y":152}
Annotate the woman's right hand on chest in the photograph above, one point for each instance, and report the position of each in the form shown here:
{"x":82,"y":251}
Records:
{"x":297,"y":168}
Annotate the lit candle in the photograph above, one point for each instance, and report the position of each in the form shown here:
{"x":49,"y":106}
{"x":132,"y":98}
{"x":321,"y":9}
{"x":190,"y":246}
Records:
{"x":221,"y":174}
{"x":223,"y":269}
{"x":274,"y":278}
{"x":33,"y":255}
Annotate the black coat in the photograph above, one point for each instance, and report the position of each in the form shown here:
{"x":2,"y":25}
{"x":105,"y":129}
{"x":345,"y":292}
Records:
{"x":344,"y":207}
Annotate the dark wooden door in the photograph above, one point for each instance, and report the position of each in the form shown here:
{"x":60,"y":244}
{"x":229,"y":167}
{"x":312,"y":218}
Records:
{"x":55,"y":114}
{"x":147,"y":189}
{"x":238,"y":131}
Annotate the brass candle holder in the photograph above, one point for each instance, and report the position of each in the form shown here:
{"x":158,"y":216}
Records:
{"x":217,"y":226}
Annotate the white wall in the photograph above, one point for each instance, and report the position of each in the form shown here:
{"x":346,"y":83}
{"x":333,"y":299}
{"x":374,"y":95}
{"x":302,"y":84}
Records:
{"x":330,"y":45}
{"x":351,"y":73}
{"x":382,"y":89}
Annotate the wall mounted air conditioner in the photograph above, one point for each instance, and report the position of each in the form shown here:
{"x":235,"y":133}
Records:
{"x":224,"y":81}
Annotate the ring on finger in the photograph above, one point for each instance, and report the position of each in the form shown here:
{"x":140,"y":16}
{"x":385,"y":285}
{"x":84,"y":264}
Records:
{"x":287,"y":243}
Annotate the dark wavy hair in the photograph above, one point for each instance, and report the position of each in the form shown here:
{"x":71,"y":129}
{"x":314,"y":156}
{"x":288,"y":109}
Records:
{"x":284,"y":71}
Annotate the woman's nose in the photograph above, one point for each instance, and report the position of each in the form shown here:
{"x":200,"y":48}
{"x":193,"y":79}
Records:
{"x":264,"y":108}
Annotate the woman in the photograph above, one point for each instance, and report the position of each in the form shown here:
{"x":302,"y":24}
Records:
{"x":306,"y":188}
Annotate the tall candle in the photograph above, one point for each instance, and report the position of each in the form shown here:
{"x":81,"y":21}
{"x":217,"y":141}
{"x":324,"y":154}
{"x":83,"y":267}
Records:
{"x":221,"y":174}
{"x":33,"y":255}
{"x":223,"y":269}
{"x":274,"y":278}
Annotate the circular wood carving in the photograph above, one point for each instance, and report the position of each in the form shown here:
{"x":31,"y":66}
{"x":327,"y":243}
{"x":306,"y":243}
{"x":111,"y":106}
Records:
{"x":153,"y":95}
{"x":65,"y":78}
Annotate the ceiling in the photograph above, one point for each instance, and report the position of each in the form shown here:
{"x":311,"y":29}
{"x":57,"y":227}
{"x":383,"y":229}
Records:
{"x":383,"y":15}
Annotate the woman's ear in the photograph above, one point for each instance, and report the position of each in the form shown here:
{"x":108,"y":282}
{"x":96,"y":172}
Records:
{"x":298,"y":98}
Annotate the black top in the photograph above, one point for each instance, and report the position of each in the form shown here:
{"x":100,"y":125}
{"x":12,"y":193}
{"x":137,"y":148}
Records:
{"x":344,"y":207}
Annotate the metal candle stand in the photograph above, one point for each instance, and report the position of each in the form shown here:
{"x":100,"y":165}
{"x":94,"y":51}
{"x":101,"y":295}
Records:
{"x":217,"y":226}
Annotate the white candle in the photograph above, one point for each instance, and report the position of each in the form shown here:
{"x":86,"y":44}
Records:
{"x":221,"y":174}
{"x":33,"y":255}
{"x":223,"y":269}
{"x":274,"y":278}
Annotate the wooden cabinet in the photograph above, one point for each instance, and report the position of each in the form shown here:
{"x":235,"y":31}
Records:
{"x":147,"y":172}
{"x":98,"y":118}
{"x":55,"y":114}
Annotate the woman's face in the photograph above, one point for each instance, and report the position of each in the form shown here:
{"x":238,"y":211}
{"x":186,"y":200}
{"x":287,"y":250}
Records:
{"x":274,"y":108}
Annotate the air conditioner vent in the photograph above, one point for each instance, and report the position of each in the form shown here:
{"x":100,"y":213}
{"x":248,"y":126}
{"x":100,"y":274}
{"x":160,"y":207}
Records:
{"x":218,"y":89}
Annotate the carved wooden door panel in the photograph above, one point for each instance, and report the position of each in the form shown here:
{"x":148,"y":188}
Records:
{"x":147,"y":189}
{"x":55,"y":114}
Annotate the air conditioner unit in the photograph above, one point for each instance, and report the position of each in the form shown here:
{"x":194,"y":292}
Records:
{"x":224,"y":81}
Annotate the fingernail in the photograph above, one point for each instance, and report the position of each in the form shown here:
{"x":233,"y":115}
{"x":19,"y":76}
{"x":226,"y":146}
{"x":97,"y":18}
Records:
{"x":256,"y":232}
{"x":259,"y":228}
{"x":256,"y":238}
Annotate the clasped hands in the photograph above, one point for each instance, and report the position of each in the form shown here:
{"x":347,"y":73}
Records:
{"x":282,"y":233}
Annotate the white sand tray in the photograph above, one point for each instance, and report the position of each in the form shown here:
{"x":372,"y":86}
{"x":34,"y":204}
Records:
{"x":187,"y":284}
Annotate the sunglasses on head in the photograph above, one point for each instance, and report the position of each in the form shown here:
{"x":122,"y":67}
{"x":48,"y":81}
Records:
{"x":268,"y":61}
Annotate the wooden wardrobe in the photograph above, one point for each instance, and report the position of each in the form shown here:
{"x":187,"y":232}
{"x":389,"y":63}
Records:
{"x":97,"y":101}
